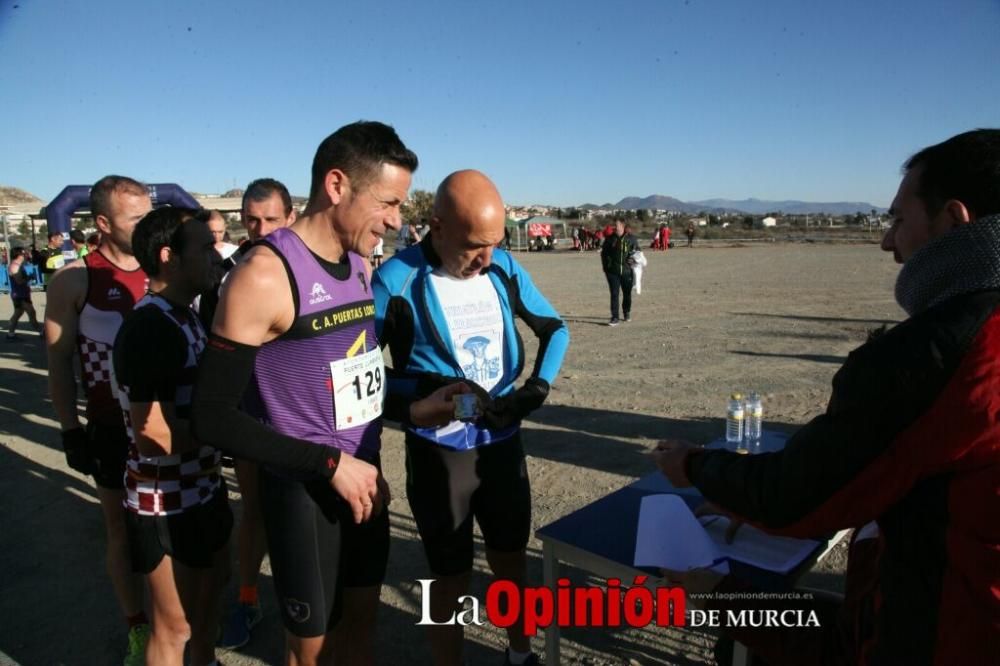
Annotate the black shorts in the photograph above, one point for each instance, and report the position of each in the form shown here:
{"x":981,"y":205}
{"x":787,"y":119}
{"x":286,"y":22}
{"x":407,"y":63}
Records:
{"x":192,"y":537}
{"x":108,"y":446}
{"x":447,"y":488}
{"x":20,"y":302}
{"x":316,"y":549}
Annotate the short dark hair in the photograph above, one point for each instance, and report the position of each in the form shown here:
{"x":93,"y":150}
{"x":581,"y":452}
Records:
{"x":100,"y":193}
{"x":77,"y":236}
{"x":93,"y":239}
{"x":263,"y":188}
{"x":359,"y":150}
{"x":162,"y":228}
{"x":966,"y":167}
{"x":17,"y":252}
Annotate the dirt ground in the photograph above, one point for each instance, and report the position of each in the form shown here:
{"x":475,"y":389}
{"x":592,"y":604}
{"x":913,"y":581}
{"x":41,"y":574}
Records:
{"x":776,"y":318}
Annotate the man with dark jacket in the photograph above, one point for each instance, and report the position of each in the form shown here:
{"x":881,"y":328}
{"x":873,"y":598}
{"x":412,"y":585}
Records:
{"x":908,"y":451}
{"x":51,"y":258}
{"x":615,"y":252}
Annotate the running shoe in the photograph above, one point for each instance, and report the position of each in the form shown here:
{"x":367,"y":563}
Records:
{"x":613,"y":322}
{"x":138,"y":637}
{"x":236,"y":630}
{"x":628,"y":318}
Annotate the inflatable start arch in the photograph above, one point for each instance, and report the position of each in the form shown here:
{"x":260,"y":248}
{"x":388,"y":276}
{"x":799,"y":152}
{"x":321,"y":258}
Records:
{"x":59,"y":212}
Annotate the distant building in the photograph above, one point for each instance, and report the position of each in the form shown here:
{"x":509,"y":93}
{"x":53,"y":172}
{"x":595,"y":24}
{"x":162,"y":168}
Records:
{"x":768,"y":222}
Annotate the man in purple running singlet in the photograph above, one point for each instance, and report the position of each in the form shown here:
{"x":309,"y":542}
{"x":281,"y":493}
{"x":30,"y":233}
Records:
{"x":297,"y":315}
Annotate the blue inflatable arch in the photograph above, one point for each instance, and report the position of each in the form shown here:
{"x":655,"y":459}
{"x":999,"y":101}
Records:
{"x":59,"y":212}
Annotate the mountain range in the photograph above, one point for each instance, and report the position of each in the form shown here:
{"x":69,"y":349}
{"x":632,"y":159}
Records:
{"x":13,"y":195}
{"x":748,"y":206}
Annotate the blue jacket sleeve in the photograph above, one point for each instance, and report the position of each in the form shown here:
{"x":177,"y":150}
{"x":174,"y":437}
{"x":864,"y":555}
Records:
{"x":553,"y":336}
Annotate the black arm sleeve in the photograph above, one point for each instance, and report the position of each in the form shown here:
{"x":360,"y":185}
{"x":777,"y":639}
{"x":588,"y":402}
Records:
{"x":223,"y":376}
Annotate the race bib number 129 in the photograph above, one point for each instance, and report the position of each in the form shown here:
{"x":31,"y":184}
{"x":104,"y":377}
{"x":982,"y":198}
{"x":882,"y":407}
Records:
{"x":358,"y":388}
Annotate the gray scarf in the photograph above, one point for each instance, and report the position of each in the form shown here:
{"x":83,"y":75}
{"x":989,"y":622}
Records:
{"x":964,"y":260}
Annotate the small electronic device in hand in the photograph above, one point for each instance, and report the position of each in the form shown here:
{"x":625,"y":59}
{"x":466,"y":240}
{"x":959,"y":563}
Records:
{"x":466,"y":407}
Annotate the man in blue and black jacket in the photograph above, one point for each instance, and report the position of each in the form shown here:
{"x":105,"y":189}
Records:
{"x":446,"y":309}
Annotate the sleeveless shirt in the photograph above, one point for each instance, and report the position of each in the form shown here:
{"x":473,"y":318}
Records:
{"x":111,"y":294}
{"x":169,"y":484}
{"x":299,"y":388}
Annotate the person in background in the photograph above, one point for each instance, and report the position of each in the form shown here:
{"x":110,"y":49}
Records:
{"x":665,"y":237}
{"x":20,"y":292}
{"x":217,"y":225}
{"x":51,"y":259}
{"x":377,"y":253}
{"x":79,"y":242}
{"x":615,"y":252}
{"x":637,"y":260}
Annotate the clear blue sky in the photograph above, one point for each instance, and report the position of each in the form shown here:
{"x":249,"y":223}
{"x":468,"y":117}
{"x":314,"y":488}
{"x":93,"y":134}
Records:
{"x":562,"y":102}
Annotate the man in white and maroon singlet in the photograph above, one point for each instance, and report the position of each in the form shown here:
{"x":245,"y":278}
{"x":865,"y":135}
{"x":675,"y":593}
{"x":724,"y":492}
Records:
{"x":87,"y":301}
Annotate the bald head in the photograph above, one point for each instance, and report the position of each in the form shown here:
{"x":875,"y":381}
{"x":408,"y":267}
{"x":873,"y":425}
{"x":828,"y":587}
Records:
{"x":217,"y":225}
{"x":468,"y":223}
{"x":469,"y":197}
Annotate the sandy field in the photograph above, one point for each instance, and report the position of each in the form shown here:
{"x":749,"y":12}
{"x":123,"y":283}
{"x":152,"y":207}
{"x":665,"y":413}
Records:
{"x":778,"y":318}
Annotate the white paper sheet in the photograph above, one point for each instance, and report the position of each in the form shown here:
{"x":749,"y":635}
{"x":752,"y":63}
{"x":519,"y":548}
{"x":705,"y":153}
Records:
{"x":669,"y":536}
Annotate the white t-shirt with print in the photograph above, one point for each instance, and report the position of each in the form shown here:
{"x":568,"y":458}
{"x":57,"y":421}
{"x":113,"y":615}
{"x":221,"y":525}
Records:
{"x":475,"y":322}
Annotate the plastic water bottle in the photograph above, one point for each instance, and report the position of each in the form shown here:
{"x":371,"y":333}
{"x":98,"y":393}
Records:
{"x":734,"y":421}
{"x":754,"y":429}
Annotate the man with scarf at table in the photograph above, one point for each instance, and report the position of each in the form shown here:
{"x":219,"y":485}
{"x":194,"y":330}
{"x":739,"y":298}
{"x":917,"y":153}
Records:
{"x":908,"y":451}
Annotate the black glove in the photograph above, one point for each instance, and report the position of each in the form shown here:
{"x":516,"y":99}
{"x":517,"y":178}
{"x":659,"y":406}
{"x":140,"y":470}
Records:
{"x":509,"y":409}
{"x":77,"y":447}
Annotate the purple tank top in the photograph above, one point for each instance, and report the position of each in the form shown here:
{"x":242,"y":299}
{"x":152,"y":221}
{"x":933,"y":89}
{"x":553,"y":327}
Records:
{"x":334,"y":320}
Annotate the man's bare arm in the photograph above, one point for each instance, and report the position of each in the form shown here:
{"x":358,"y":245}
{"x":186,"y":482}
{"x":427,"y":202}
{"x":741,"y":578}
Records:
{"x":158,"y":431}
{"x":256,"y":304}
{"x":66,"y":294}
